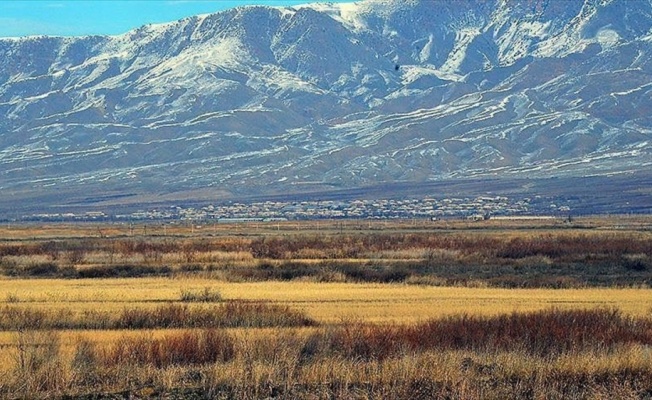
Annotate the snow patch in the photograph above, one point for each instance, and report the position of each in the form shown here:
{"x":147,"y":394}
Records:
{"x":519,"y":38}
{"x":411,"y":73}
{"x":607,"y":38}
{"x":463,"y":38}
{"x":424,"y":55}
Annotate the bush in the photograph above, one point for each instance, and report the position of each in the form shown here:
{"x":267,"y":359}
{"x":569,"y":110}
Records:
{"x":636,"y":262}
{"x":38,"y":361}
{"x":260,"y":315}
{"x":32,"y":270}
{"x":378,"y":273}
{"x":232,"y":314}
{"x":124,"y":271}
{"x":42,"y":269}
{"x":181,"y":349}
{"x":543,"y":333}
{"x":207,"y":295}
{"x":191,"y":268}
{"x":354,"y":340}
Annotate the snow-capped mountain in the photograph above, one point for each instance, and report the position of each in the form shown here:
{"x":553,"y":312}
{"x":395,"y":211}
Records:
{"x":264,"y":100}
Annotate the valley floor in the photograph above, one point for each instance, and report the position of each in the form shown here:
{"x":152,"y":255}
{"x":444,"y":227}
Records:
{"x":334,"y":311}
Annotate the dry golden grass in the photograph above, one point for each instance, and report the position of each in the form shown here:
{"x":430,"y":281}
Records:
{"x":326,"y":302}
{"x":268,"y":361}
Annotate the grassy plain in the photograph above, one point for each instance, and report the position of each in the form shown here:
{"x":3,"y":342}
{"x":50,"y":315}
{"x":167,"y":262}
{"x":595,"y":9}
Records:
{"x":326,"y":302}
{"x":354,"y":309}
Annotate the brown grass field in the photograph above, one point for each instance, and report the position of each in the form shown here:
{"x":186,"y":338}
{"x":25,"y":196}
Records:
{"x":328,"y":310}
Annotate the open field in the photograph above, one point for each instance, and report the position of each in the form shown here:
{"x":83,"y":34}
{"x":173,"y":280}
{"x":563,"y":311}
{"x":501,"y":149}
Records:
{"x":325,"y":302}
{"x":588,"y":252}
{"x":26,"y":231}
{"x":460,"y":310}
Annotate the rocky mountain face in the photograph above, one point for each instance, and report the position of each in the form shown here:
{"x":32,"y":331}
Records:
{"x":262,"y":100}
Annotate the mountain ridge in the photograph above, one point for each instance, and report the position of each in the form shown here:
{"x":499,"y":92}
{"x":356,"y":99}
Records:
{"x":257,"y":100}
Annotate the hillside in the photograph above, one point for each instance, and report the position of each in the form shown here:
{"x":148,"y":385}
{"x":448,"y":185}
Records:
{"x":259,"y":101}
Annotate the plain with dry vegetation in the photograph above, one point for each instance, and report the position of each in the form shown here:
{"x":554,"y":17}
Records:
{"x":252,"y":315}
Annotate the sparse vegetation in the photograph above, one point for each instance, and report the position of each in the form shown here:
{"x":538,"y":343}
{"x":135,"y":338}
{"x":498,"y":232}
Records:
{"x":198,"y":347}
{"x":207,"y":295}
{"x":461,"y":357}
{"x":231,"y":314}
{"x":552,"y":258}
{"x":402,"y":314}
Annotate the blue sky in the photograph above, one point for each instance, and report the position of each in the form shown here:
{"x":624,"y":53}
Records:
{"x":106,"y":17}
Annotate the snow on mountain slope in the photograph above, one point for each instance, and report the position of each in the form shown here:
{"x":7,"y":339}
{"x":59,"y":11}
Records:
{"x":263,"y":99}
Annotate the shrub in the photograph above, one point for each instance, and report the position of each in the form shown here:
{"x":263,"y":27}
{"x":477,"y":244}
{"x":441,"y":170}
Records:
{"x":230,"y":314}
{"x":19,"y":318}
{"x":374,"y":273}
{"x":260,"y":315}
{"x":41,"y":269}
{"x":268,"y":248}
{"x":207,"y":295}
{"x":85,"y":364}
{"x":186,"y":348}
{"x":354,"y":340}
{"x":544,"y":333}
{"x":38,"y":366}
{"x":124,"y":271}
{"x":85,"y":357}
{"x":191,"y":268}
{"x":636,"y":262}
{"x":76,"y":256}
{"x":34,"y":270}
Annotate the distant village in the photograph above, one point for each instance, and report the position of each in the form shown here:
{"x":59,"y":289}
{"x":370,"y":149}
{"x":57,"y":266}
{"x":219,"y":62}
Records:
{"x":478,"y":208}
